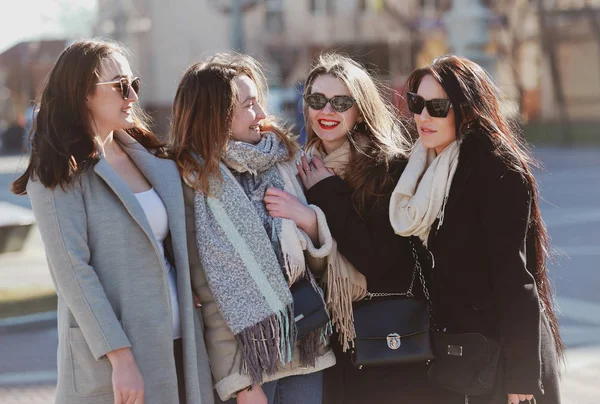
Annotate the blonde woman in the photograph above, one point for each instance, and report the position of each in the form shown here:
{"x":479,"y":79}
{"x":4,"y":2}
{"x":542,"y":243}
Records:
{"x":357,"y":151}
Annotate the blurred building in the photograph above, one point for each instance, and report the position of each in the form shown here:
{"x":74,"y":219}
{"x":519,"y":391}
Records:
{"x":391,"y":36}
{"x":23,"y":69}
{"x":166,"y":37}
{"x":548,"y":57}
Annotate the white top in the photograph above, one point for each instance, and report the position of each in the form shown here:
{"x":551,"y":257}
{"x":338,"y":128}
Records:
{"x":156,"y":213}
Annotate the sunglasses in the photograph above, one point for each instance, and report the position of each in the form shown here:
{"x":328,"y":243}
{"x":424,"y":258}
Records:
{"x":125,"y":85}
{"x":437,"y":108}
{"x":339,"y":103}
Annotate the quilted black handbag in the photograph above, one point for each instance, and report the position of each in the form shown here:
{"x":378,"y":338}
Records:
{"x":392,"y":328}
{"x":309,"y":307}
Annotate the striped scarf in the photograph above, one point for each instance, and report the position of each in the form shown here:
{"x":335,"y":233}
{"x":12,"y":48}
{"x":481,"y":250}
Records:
{"x":250,"y":259}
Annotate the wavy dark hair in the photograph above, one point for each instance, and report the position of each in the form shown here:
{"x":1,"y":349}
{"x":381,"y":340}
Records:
{"x":203,"y":111}
{"x":381,"y":142}
{"x":63,"y":143}
{"x":477,"y":101}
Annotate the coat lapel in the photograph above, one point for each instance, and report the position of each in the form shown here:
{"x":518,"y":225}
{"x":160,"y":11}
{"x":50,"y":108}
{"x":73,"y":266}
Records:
{"x":124,"y":193}
{"x":164,"y":178}
{"x":461,"y":178}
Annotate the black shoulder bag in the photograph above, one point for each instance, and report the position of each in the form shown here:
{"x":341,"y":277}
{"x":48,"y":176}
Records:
{"x":392,"y":328}
{"x":467,"y":363}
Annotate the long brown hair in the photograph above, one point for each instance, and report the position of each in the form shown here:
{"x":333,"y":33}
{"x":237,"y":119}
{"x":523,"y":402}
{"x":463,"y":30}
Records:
{"x":203,"y":112}
{"x":476,"y":99}
{"x":374,"y":149}
{"x":63,"y":144}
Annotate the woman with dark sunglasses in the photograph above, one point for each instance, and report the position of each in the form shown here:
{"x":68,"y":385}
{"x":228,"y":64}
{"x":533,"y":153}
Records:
{"x":468,"y":192}
{"x":109,"y":208}
{"x":357,"y":151}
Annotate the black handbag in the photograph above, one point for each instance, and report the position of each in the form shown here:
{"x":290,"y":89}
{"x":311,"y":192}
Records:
{"x":392,"y":328}
{"x":468,"y":363}
{"x":465,"y":363}
{"x":309,"y":307}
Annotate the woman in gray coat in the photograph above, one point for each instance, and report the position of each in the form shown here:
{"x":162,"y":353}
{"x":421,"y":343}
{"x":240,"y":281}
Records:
{"x":111,"y":214}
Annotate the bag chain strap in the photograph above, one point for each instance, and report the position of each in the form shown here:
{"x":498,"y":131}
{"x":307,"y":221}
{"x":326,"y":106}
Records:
{"x":422,"y":279}
{"x":408,"y":293}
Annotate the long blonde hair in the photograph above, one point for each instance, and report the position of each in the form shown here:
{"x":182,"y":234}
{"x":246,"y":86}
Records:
{"x":385,"y":140}
{"x":203,"y":112}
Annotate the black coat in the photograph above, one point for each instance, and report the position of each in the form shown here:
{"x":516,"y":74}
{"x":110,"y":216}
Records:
{"x":386,"y":261}
{"x":482,"y":273}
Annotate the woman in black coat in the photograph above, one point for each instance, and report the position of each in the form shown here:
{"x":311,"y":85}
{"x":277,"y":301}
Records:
{"x":358,"y":152}
{"x":469,"y":194}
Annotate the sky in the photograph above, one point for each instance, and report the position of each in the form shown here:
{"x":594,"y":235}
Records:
{"x":21,"y":20}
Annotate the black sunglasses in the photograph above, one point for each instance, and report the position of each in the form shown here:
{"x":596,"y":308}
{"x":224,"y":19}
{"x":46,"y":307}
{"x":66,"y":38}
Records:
{"x":339,"y":103}
{"x":437,"y":108}
{"x":125,"y":85}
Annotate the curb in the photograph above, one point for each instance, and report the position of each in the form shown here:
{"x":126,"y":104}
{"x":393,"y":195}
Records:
{"x":29,"y":321}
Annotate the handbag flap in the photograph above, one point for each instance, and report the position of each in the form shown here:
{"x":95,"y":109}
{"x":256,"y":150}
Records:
{"x":467,"y":345}
{"x":306,"y":299}
{"x":380,"y":317}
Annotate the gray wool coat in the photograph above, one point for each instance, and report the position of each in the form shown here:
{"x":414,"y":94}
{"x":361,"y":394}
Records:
{"x":112,"y":284}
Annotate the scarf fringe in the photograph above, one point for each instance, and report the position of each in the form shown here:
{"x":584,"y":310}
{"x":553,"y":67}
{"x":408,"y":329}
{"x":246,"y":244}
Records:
{"x":294,"y":268}
{"x":341,"y":293}
{"x":267,"y":343}
{"x":309,"y":348}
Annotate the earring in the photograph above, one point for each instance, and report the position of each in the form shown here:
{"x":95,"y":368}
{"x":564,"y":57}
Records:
{"x":469,"y":127}
{"x":360,"y":127}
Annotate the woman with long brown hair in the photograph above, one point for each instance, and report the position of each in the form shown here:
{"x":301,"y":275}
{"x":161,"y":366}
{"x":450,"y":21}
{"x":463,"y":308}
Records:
{"x":243,"y":261}
{"x":109,"y":208}
{"x":469,"y":194}
{"x":357,"y":149}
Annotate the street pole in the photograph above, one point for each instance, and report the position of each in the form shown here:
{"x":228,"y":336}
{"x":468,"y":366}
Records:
{"x":237,"y":26}
{"x":548,"y":46}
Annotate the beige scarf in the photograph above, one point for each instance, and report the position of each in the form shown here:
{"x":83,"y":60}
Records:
{"x":344,"y":283}
{"x":421,"y":193}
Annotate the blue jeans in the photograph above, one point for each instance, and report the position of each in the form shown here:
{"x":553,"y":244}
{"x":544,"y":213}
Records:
{"x":303,"y":389}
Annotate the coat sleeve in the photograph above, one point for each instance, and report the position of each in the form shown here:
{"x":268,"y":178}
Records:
{"x":223,"y":351}
{"x":61,"y":218}
{"x":505,"y":212}
{"x":366,"y":242}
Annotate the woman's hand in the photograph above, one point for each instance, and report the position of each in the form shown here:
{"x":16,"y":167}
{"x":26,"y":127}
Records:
{"x":313,"y":172}
{"x":128,"y":385}
{"x":281,"y":204}
{"x":517,"y":398}
{"x":255,"y":395}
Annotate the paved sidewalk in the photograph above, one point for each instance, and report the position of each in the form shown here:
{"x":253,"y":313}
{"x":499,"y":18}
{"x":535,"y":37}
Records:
{"x":27,"y":395}
{"x":580,"y":383}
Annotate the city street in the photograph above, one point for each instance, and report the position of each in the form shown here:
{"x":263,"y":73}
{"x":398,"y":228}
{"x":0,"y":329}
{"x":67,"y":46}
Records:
{"x":570,"y":185}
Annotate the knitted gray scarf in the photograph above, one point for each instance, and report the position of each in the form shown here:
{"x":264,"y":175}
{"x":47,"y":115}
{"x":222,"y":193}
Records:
{"x":238,"y":244}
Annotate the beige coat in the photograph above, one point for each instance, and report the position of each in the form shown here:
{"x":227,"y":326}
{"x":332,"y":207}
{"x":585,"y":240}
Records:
{"x":223,"y":351}
{"x":112,"y":284}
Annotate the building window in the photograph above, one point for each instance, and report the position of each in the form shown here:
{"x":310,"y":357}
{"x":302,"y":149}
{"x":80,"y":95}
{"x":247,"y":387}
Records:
{"x":321,"y":6}
{"x":274,"y":16}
